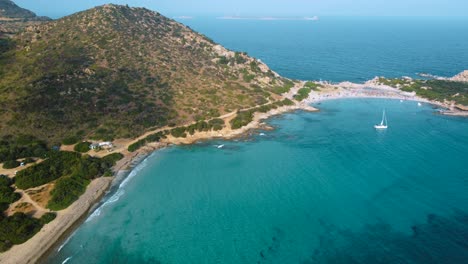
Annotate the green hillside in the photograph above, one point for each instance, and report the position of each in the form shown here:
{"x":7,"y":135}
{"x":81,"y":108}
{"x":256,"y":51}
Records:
{"x":8,"y":9}
{"x":115,"y":71}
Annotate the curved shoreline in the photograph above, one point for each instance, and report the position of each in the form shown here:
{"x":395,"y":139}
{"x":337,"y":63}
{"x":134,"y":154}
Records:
{"x":50,"y":237}
{"x":119,"y":177}
{"x":58,"y":231}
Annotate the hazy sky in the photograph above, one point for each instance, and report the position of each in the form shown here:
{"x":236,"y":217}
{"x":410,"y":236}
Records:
{"x":56,"y":8}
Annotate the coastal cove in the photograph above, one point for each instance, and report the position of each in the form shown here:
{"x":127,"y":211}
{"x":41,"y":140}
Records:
{"x":139,"y":140}
{"x":325,"y":193}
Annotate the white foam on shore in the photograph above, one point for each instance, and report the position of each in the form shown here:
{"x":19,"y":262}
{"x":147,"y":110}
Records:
{"x":66,"y":242}
{"x":66,"y":260}
{"x":120,"y":191}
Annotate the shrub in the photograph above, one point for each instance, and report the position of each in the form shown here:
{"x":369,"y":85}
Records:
{"x":242,"y":119}
{"x":151,"y":138}
{"x":17,"y":229}
{"x":111,"y":159}
{"x":302,"y":94}
{"x":11,"y":164}
{"x":5,"y":181}
{"x":135,"y":146}
{"x":7,"y":193}
{"x":66,"y":191}
{"x":254,"y":66}
{"x":283,"y":89}
{"x":18,"y":147}
{"x":3,"y":207}
{"x":82,"y":147}
{"x":216,"y":124}
{"x":58,"y":164}
{"x":284,"y":102}
{"x":239,"y":58}
{"x":312,"y":86}
{"x":223,"y":60}
{"x":70,"y":140}
{"x":29,"y":160}
{"x":47,"y":218}
{"x":248,"y":77}
{"x":179,"y":132}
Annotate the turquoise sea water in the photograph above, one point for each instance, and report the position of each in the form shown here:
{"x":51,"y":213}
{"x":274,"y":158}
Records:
{"x":348,"y":48}
{"x":322,"y":188}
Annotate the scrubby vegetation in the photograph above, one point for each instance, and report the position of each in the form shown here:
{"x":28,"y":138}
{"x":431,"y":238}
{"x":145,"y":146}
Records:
{"x":18,"y":147}
{"x":438,"y":90}
{"x":65,"y":84}
{"x":214,"y":124}
{"x":19,"y":227}
{"x":393,"y":82}
{"x":283,"y":89}
{"x":47,"y":218}
{"x":111,"y":159}
{"x":302,"y":94}
{"x":179,"y":132}
{"x":70,"y":140}
{"x":57,"y":165}
{"x":7,"y":193}
{"x":140,"y":143}
{"x":66,"y":191}
{"x":11,"y":10}
{"x":11,"y":164}
{"x":62,"y":164}
{"x":243,"y":118}
{"x":441,"y":90}
{"x":313,"y":86}
{"x":82,"y":147}
{"x":72,"y":171}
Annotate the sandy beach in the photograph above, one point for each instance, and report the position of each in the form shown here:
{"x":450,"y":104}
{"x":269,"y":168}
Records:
{"x":371,"y":89}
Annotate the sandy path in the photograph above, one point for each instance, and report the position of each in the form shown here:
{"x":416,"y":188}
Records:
{"x":33,"y":249}
{"x":25,"y":198}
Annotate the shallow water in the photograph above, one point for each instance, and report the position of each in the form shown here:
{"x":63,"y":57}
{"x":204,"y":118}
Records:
{"x":322,"y":188}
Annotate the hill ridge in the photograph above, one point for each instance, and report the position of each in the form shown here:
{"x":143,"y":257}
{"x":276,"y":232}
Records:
{"x":116,"y":71}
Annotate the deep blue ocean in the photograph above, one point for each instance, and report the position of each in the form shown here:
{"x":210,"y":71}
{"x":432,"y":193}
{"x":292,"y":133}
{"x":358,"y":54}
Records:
{"x":347,"y":48}
{"x":322,"y":187}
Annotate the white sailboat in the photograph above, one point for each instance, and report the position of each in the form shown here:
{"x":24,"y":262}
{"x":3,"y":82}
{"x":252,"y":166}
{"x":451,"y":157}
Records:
{"x":383,"y":124}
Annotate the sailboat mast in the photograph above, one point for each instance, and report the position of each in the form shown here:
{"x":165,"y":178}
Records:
{"x":383,"y":118}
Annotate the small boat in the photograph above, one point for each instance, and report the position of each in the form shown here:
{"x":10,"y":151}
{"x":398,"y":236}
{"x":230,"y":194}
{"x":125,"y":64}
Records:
{"x":262,"y":134}
{"x":419,"y":104}
{"x":383,"y":123}
{"x":401,"y":101}
{"x":220,"y":146}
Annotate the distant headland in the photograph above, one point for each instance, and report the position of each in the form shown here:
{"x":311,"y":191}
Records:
{"x":89,"y":95}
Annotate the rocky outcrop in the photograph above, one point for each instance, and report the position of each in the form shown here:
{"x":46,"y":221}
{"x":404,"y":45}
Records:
{"x":461,"y":77}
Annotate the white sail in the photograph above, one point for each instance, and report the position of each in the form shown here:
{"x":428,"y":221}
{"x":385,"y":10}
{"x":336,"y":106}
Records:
{"x":383,"y":123}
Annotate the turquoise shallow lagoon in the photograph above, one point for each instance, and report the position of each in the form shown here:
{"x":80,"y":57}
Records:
{"x":321,"y":188}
